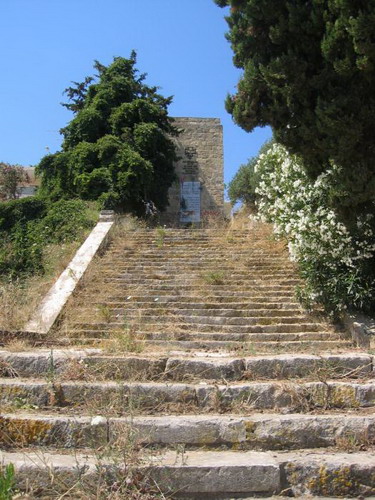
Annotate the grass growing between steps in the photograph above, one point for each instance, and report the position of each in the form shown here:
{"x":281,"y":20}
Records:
{"x":113,"y":467}
{"x":116,"y":472}
{"x":7,"y":481}
{"x":80,"y":304}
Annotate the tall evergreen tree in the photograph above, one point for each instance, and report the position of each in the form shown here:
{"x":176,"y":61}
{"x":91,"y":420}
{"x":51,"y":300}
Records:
{"x":309,"y":72}
{"x":118,"y":146}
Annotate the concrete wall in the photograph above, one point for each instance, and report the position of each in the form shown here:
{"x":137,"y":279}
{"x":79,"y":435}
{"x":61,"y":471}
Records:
{"x":200,"y":148}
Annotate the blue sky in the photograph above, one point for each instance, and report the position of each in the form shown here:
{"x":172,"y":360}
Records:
{"x":46,"y":44}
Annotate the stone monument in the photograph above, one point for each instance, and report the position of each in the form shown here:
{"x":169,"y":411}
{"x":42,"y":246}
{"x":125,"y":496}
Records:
{"x":198,"y":193}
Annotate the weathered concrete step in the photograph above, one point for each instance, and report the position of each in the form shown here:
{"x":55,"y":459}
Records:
{"x":202,"y":271}
{"x":119,"y":326}
{"x":227,"y":258}
{"x":185,"y":244}
{"x":215,"y":346}
{"x":240,"y":337}
{"x":95,"y":363}
{"x":179,"y":235}
{"x":256,"y":432}
{"x":251,"y":347}
{"x":255,"y":289}
{"x":218,"y":238}
{"x":194,"y":281}
{"x":204,"y":257}
{"x":256,"y":301}
{"x":208,"y":336}
{"x":142,"y":303}
{"x":139,"y":397}
{"x":203,"y":474}
{"x":247,"y":248}
{"x":226,"y":264}
{"x":214,"y":292}
{"x":205,"y":310}
{"x":221,"y":320}
{"x":187,"y":276}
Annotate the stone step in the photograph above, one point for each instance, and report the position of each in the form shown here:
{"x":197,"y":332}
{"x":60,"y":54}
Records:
{"x":258,"y":338}
{"x":166,"y":256}
{"x":204,"y":336}
{"x":239,"y":337}
{"x":250,"y":347}
{"x":206,"y":249}
{"x":256,"y":301}
{"x":95,"y":363}
{"x":120,"y":326}
{"x":188,"y":276}
{"x":140,"y":303}
{"x":193,"y":238}
{"x":221,"y":320}
{"x":256,"y":292}
{"x":249,"y":258}
{"x":184,"y":267}
{"x":255,"y":289}
{"x":203,"y":311}
{"x":195,"y":281}
{"x":251,"y":432}
{"x":215,"y":346}
{"x":225,"y":264}
{"x":199,"y":474}
{"x":124,"y":398}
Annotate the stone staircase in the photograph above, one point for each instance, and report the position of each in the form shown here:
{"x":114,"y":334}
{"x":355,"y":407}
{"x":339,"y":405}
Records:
{"x":185,"y":368}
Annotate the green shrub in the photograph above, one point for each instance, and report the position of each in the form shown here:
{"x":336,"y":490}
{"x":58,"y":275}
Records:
{"x":24,"y":240}
{"x":65,"y":221}
{"x":26,"y":252}
{"x":25,"y":209}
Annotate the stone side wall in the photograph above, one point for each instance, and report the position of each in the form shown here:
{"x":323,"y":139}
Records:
{"x":200,"y":149}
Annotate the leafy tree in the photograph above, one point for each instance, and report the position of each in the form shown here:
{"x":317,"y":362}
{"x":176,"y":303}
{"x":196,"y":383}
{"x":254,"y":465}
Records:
{"x":118,"y":146}
{"x":11,"y":176}
{"x":309,"y":72}
{"x":243,"y":185}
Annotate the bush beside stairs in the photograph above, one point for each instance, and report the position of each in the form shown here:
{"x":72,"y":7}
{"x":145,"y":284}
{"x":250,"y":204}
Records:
{"x":185,"y":368}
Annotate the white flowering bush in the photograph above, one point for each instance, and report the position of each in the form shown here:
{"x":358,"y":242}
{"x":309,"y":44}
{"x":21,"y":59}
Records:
{"x":337,"y":264}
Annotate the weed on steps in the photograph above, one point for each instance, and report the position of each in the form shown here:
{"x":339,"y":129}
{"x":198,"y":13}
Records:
{"x":185,"y":368}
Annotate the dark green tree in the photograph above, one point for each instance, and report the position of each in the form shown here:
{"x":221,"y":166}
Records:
{"x":309,"y":72}
{"x":118,"y":146}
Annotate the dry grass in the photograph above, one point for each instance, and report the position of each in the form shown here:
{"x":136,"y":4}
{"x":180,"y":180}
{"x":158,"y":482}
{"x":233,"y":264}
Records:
{"x":18,"y":345}
{"x":80,"y":305}
{"x":122,"y":468}
{"x":351,"y":442}
{"x":19,"y":299}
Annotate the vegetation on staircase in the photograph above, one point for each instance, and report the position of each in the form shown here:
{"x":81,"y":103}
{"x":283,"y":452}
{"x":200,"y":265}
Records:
{"x":186,"y":369}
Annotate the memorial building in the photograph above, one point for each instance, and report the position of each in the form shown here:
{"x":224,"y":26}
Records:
{"x":198,"y":193}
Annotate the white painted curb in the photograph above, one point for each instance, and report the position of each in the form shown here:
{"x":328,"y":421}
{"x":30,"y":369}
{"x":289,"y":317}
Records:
{"x":52,"y":304}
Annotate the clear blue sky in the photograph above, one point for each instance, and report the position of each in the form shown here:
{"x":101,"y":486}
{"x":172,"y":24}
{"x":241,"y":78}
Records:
{"x":46,"y":44}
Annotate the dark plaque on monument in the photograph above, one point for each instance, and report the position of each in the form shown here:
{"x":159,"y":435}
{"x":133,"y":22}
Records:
{"x":190,"y":202}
